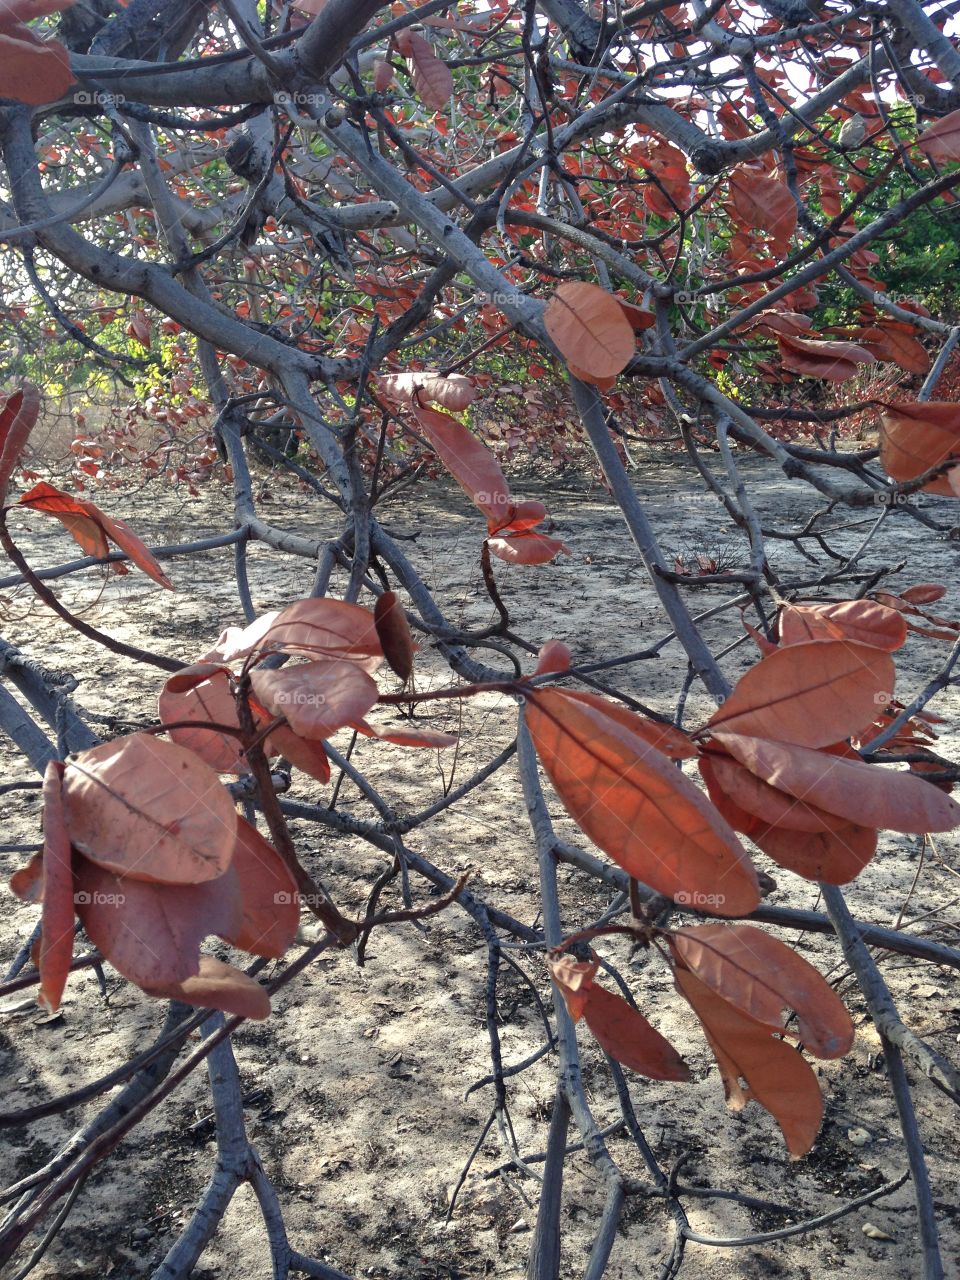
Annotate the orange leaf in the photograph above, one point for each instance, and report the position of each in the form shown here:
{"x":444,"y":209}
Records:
{"x":151,"y":933}
{"x":150,"y":810}
{"x":863,"y":621}
{"x":451,"y":390}
{"x":836,"y":855}
{"x":470,"y":463}
{"x":617,"y":1027}
{"x":673,"y":742}
{"x":526,"y":547}
{"x":411,"y":736}
{"x":312,"y":628}
{"x":887,"y":799}
{"x":17,"y":419}
{"x":267,"y":891}
{"x":202,"y":692}
{"x":835,"y":361}
{"x":589,"y":328}
{"x":777,"y":1076}
{"x":636,"y":806}
{"x":762,"y":976}
{"x":58,"y":916}
{"x":763,"y":202}
{"x":91,"y":528}
{"x":553,"y":656}
{"x":916,"y":437}
{"x":431,"y":77}
{"x":940,"y":141}
{"x":393,"y":631}
{"x":32,"y":70}
{"x":317,"y":698}
{"x":813,"y":694}
{"x":218,"y":986}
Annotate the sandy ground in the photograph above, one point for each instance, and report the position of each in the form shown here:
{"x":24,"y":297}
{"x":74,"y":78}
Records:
{"x":356,"y":1083}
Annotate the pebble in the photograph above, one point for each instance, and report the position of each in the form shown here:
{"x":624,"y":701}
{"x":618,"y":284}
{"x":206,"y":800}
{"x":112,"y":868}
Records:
{"x":874,"y":1232}
{"x":520,"y":1225}
{"x":141,"y":1234}
{"x":859,"y":1137}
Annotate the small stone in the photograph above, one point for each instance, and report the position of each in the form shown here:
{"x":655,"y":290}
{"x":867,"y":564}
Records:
{"x":519,"y":1226}
{"x":141,"y":1234}
{"x":874,"y":1232}
{"x":859,"y":1137}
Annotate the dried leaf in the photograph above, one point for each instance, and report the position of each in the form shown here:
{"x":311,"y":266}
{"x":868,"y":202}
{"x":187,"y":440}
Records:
{"x":218,"y":986}
{"x":589,"y":328}
{"x":17,"y":419}
{"x":203,"y":692}
{"x":394,"y":634}
{"x":317,"y":698}
{"x":637,"y":806}
{"x":777,"y":1076}
{"x":91,"y":528}
{"x":151,"y":933}
{"x":812,"y":694}
{"x":267,"y":892}
{"x":916,"y":437}
{"x":149,"y":809}
{"x":862,"y":621}
{"x":885,"y":798}
{"x":762,"y":976}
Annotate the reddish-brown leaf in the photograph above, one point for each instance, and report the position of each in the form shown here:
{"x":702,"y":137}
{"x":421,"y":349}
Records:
{"x":835,"y":361}
{"x":451,"y":391}
{"x":526,"y":547}
{"x":940,"y":141}
{"x":617,"y":1027}
{"x":636,"y":805}
{"x":589,"y":328}
{"x":309,"y":757}
{"x":916,"y":437}
{"x":777,"y":1076}
{"x":203,"y":693}
{"x":470,"y":463}
{"x":924,"y":593}
{"x":887,"y":799}
{"x":762,"y":976}
{"x":393,"y":631}
{"x":151,"y":933}
{"x":432,"y":78}
{"x":313,"y":628}
{"x":836,"y":855}
{"x":863,"y":621}
{"x":58,"y":915}
{"x":218,"y":986}
{"x":553,"y":656}
{"x":317,"y":698}
{"x":673,"y":742}
{"x":149,"y":809}
{"x":409,"y":736}
{"x":17,"y":420}
{"x":763,"y":202}
{"x":267,"y":891}
{"x":91,"y":528}
{"x":813,"y":694}
{"x":32,"y":70}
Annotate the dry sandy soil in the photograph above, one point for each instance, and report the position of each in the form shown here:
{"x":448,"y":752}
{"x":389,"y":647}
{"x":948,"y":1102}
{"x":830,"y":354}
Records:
{"x":356,"y":1083}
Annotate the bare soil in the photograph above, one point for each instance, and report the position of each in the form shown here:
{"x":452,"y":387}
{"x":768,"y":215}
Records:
{"x":356,"y":1083}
